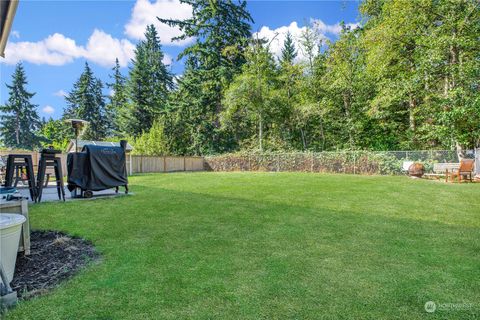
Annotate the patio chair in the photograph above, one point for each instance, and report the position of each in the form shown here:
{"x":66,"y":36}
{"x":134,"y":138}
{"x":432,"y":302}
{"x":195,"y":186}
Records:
{"x":465,"y":169}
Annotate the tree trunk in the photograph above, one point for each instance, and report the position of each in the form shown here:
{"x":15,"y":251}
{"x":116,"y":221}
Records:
{"x":412,"y":104}
{"x":302,"y":132}
{"x":322,"y":131}
{"x":346,"y":106}
{"x":260,"y":132}
{"x":459,"y":150}
{"x":17,"y":129}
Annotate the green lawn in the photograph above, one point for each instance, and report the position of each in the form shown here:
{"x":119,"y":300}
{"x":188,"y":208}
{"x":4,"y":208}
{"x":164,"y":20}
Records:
{"x":271,"y":246}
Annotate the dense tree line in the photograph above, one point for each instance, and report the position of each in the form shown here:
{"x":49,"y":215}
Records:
{"x":406,"y":78}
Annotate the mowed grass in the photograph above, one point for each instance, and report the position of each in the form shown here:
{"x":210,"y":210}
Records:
{"x":270,"y":246}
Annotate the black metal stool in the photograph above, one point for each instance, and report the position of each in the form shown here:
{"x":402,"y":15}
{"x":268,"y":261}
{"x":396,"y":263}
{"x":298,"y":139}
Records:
{"x":15,"y":164}
{"x":48,"y":159}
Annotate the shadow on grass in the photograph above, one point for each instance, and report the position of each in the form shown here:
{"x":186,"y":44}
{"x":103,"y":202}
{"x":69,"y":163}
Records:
{"x":183,"y":254}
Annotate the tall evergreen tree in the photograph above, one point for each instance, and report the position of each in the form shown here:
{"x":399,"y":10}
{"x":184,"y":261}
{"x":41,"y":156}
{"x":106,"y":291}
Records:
{"x":221,"y":30}
{"x":149,"y":84}
{"x":289,"y":53}
{"x":117,"y":109}
{"x":20,"y":120}
{"x":87,"y":102}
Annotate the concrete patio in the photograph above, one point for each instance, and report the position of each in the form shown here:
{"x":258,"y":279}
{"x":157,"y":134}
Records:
{"x":50,"y":194}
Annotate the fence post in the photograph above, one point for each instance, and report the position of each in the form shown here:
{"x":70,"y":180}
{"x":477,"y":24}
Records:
{"x":184,"y":164}
{"x":278,"y":162}
{"x":477,"y":160}
{"x":130,"y":162}
{"x":354,"y":163}
{"x":164,"y":164}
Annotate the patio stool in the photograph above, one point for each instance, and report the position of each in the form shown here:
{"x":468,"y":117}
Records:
{"x":16,"y":163}
{"x":48,"y":159}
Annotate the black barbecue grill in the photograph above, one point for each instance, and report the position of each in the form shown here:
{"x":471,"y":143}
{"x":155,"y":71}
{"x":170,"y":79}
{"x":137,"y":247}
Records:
{"x":97,"y":168}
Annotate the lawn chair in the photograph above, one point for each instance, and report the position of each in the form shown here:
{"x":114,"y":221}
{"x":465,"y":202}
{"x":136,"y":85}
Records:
{"x":465,"y":169}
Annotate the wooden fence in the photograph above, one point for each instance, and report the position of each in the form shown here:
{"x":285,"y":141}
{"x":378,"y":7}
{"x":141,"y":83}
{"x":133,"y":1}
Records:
{"x":35,"y":158}
{"x":145,"y":164}
{"x":135,"y":164}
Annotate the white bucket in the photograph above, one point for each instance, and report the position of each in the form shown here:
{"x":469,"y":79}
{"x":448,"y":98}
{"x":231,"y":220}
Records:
{"x":10,"y":229}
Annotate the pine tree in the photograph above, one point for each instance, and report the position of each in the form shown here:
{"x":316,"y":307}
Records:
{"x":221,"y":30}
{"x":117,"y":109}
{"x":149,"y":84}
{"x":290,"y":76}
{"x":289,"y":53}
{"x":20,"y":120}
{"x":87,"y":102}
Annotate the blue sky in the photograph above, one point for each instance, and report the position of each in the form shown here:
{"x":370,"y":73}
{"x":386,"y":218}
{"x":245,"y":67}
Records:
{"x":53,"y":39}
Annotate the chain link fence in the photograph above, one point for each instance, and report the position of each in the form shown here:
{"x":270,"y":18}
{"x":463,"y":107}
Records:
{"x":351,"y":162}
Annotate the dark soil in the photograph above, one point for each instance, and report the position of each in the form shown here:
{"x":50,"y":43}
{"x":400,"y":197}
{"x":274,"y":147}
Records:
{"x":54,"y":257}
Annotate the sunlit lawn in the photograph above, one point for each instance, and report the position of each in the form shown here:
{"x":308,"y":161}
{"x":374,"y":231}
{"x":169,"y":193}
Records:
{"x":270,"y":246}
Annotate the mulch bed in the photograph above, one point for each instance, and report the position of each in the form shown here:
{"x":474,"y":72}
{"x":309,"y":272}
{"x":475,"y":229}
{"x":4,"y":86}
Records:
{"x":54,"y":257}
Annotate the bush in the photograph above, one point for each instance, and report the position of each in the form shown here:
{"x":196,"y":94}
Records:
{"x":355,"y":162}
{"x":151,"y":143}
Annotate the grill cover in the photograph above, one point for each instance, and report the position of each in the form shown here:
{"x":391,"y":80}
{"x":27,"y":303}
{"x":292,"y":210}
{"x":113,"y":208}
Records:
{"x":97,"y":168}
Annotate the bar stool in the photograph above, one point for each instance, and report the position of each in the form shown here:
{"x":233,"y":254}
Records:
{"x":15,"y":164}
{"x":48,"y":159}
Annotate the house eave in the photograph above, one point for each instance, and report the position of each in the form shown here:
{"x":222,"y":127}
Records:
{"x":6,"y":24}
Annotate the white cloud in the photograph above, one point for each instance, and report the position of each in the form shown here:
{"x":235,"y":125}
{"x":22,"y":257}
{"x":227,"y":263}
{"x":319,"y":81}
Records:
{"x":167,"y":59}
{"x":60,"y":93}
{"x":102,"y":48}
{"x":277,"y":36}
{"x":48,"y":109}
{"x":334,"y":29}
{"x":145,"y":12}
{"x":58,"y":50}
{"x":15,"y":34}
{"x":48,"y":51}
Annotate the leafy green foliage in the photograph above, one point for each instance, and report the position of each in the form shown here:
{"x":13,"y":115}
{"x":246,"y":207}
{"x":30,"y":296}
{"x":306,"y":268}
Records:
{"x":253,"y":102}
{"x":424,"y":59}
{"x":408,"y":78}
{"x":153,"y":142}
{"x":57,"y":133}
{"x":20,"y":121}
